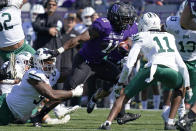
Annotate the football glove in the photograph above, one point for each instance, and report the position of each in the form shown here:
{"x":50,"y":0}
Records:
{"x":55,"y":53}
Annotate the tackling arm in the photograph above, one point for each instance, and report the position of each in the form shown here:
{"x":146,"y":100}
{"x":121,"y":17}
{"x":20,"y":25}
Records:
{"x":47,"y":91}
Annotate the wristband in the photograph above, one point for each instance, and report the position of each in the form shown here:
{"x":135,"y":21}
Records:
{"x":61,"y":50}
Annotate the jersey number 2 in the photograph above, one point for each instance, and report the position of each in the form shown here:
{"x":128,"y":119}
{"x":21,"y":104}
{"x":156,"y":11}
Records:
{"x":169,"y":49}
{"x":4,"y":24}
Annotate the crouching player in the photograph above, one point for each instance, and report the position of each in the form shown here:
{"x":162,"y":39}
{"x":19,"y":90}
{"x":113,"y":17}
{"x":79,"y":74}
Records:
{"x":24,"y":97}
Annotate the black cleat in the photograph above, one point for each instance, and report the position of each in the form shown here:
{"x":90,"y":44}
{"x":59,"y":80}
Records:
{"x":90,"y":105}
{"x":127,"y":117}
{"x":36,"y":121}
{"x":185,"y":123}
{"x":169,"y":126}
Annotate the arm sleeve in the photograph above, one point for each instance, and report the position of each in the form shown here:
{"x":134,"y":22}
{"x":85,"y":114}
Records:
{"x":132,"y":58}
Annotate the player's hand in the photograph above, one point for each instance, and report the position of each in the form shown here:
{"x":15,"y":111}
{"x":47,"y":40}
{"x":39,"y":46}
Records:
{"x":189,"y":94}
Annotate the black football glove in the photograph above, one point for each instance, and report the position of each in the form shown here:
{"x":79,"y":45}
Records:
{"x":4,"y":75}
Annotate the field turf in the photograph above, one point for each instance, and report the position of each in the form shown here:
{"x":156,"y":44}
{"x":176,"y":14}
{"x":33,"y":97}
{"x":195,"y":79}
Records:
{"x":81,"y":121}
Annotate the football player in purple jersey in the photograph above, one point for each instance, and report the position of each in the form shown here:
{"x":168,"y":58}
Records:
{"x":100,"y":40}
{"x":188,"y":17}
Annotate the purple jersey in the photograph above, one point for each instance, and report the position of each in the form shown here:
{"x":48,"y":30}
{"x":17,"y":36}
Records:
{"x":94,"y":50}
{"x":192,"y":5}
{"x":115,"y":56}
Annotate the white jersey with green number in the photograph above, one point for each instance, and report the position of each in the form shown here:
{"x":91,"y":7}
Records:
{"x":185,"y":39}
{"x":11,"y":31}
{"x":160,"y":49}
{"x":24,"y":97}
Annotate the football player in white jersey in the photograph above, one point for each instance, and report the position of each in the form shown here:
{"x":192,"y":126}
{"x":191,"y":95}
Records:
{"x":185,"y":42}
{"x":164,"y":64}
{"x":11,"y":32}
{"x":18,"y":104}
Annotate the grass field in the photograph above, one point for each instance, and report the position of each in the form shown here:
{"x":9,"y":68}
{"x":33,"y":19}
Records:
{"x":81,"y":121}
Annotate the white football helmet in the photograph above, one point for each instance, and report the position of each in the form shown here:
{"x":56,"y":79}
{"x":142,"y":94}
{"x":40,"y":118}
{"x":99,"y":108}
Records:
{"x":16,"y":3}
{"x":23,"y":60}
{"x":42,"y":60}
{"x":86,"y":15}
{"x":35,"y":10}
{"x":149,"y":21}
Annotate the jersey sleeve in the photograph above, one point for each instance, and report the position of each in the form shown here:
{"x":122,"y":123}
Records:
{"x":36,"y":75}
{"x":170,"y":24}
{"x":102,"y":26}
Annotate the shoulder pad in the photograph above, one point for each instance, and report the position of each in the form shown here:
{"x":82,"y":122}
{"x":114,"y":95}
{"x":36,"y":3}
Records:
{"x":36,"y":74}
{"x":171,"y":23}
{"x":102,"y":25}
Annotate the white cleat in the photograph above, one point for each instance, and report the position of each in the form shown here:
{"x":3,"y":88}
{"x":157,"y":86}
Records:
{"x":77,"y":91}
{"x":54,"y":121}
{"x":62,"y":111}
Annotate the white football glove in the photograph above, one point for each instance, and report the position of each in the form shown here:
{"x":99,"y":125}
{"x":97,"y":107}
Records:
{"x":189,"y":94}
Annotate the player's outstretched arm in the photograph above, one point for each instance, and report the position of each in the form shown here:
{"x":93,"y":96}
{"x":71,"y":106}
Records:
{"x":71,"y":43}
{"x":55,"y":95}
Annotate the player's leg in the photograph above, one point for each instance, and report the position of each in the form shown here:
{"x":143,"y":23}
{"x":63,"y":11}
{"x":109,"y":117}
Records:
{"x":167,"y":93}
{"x":171,"y":79}
{"x":135,"y":85}
{"x":156,"y":95}
{"x":106,"y":71}
{"x":144,"y":95}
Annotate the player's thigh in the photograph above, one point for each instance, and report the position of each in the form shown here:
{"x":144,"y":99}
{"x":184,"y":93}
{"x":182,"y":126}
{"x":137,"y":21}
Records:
{"x":138,"y":83}
{"x":107,"y":71}
{"x":168,"y":77}
{"x":79,"y":73}
{"x":6,"y":116}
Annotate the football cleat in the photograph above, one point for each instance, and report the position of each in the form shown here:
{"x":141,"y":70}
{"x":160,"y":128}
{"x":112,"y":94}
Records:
{"x":90,"y":105}
{"x":169,"y":126}
{"x":185,"y":123}
{"x":36,"y":120}
{"x":127,"y":117}
{"x":61,"y":111}
{"x":54,"y":121}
